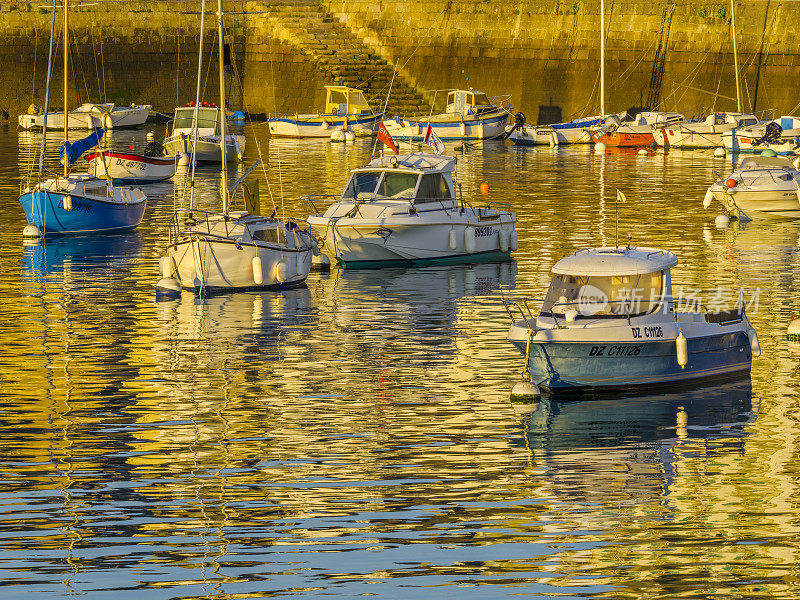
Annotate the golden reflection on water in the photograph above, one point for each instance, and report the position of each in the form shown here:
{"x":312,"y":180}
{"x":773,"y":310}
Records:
{"x":357,"y":431}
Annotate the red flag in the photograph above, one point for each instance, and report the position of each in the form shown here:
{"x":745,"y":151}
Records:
{"x":384,"y":136}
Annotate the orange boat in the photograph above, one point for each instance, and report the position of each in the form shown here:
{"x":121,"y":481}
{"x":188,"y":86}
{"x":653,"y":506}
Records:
{"x":636,"y":133}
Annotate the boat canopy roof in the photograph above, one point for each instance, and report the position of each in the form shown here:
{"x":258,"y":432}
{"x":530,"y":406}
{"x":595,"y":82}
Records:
{"x":610,"y":262}
{"x":721,"y":118}
{"x":416,"y":162}
{"x":765,"y":162}
{"x":343,"y":100}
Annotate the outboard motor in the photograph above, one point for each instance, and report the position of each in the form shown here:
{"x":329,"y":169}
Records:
{"x":154,"y":148}
{"x":772,"y":134}
{"x":519,"y":122}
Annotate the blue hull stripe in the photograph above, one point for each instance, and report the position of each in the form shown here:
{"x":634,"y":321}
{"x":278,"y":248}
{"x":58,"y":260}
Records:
{"x":88,"y":215}
{"x":332,"y":121}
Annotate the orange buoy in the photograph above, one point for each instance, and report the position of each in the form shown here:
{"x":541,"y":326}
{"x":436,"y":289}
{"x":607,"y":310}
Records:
{"x":485,"y":187}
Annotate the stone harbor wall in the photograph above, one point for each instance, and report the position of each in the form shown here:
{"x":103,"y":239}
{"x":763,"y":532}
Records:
{"x":543,"y":53}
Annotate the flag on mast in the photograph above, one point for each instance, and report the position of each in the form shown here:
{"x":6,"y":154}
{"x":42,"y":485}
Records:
{"x":433,"y":140}
{"x":384,"y":136}
{"x":621,"y":197}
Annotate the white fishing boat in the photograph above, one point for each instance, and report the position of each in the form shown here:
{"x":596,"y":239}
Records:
{"x":89,"y":115}
{"x":130,"y":167}
{"x":637,"y":132}
{"x":230,"y":250}
{"x":204,"y":139}
{"x":781,"y":135}
{"x":609,"y":322}
{"x":557,"y":134}
{"x":764,"y":184}
{"x":403,"y":210}
{"x":708,"y":132}
{"x":470,"y":115}
{"x":346,"y":109}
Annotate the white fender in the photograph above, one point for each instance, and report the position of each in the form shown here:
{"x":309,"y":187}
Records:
{"x":108,"y":122}
{"x":281,"y":272}
{"x":452,"y":242}
{"x":503,"y":240}
{"x":325,"y":124}
{"x":67,"y":204}
{"x":681,"y":349}
{"x":513,"y":240}
{"x":754,"y":345}
{"x":553,"y":138}
{"x":462,"y":128}
{"x":708,"y":199}
{"x":469,"y":240}
{"x":300,"y":264}
{"x":258,"y":271}
{"x":166,"y":266}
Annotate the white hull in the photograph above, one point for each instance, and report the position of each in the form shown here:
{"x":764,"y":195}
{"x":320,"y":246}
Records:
{"x":131,"y":168}
{"x":779,"y":203}
{"x":469,"y":128}
{"x":740,"y":142}
{"x":90,"y":117}
{"x":532,"y":135}
{"x":208,"y":146}
{"x":315,"y":127}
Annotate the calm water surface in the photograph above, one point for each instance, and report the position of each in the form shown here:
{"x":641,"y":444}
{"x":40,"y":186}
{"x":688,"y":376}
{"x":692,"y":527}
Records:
{"x":355,"y":437}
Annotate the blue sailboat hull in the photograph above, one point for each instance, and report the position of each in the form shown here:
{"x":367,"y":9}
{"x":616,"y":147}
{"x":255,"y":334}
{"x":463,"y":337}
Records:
{"x":46,"y":210}
{"x":582,"y":366}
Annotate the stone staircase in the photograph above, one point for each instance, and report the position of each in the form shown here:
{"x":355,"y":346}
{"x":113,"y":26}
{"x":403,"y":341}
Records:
{"x":340,"y":54}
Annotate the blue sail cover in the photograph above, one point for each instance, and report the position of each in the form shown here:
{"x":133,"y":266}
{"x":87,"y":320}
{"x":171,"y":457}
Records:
{"x":75,"y":150}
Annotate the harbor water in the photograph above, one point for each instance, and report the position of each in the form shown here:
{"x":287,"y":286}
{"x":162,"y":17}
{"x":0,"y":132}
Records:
{"x":355,"y":437}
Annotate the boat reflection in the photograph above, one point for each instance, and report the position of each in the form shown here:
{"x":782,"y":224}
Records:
{"x":81,"y":253}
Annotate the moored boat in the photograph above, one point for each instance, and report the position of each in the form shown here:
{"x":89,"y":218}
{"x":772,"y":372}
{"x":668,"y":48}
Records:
{"x":89,"y":115}
{"x":781,"y":135}
{"x":708,"y":132}
{"x":345,"y":109}
{"x":764,"y":184}
{"x":609,"y":322}
{"x":573,"y":132}
{"x":403,"y":210}
{"x":207,"y":133}
{"x":635,"y":133}
{"x":130,"y":167}
{"x":470,"y":115}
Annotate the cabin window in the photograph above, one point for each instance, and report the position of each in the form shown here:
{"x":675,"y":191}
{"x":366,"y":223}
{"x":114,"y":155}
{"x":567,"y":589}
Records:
{"x":747,"y":122}
{"x":432,"y":188}
{"x":451,"y":98}
{"x":362,"y":185}
{"x":207,"y":118}
{"x":274,"y":235}
{"x":481,"y":100}
{"x":337,"y":97}
{"x":398,"y":185}
{"x":595,"y":296}
{"x":357,"y":100}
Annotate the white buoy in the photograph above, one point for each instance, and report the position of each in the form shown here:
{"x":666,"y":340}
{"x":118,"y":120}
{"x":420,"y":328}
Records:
{"x":31,"y":232}
{"x":502,"y":240}
{"x":452,"y":241}
{"x":349,"y":136}
{"x":325,"y":124}
{"x":337,"y":135}
{"x":708,"y":198}
{"x":793,"y":331}
{"x":722,"y":221}
{"x":681,"y":349}
{"x":183,"y":160}
{"x":525,"y":392}
{"x":168,"y":287}
{"x":469,"y":240}
{"x":599,"y":147}
{"x":281,"y":272}
{"x":642,"y":152}
{"x":719,"y":152}
{"x":754,"y":345}
{"x":258,"y":270}
{"x":513,"y":240}
{"x":166,"y":266}
{"x":150,"y":136}
{"x":320,"y":262}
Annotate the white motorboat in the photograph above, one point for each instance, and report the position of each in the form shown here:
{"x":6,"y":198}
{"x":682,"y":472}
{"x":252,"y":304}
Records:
{"x":403,"y":210}
{"x":89,"y":116}
{"x":230,"y":250}
{"x":209,"y":126}
{"x":470,"y":115}
{"x":708,"y":132}
{"x":346,"y":109}
{"x":781,"y":135}
{"x":764,"y":184}
{"x":573,"y":132}
{"x":609,"y":322}
{"x":130,"y":167}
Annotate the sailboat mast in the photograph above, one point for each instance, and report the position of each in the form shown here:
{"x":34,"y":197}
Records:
{"x":195,"y":121}
{"x":47,"y":89}
{"x":603,"y":58}
{"x":222,"y":109}
{"x":735,"y":61}
{"x":66,"y":106}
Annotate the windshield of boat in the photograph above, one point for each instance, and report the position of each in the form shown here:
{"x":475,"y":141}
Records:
{"x":381,"y":184}
{"x":480,"y":99}
{"x":593,"y":296}
{"x":206,"y":117}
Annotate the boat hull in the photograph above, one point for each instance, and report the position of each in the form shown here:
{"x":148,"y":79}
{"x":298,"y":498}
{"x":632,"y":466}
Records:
{"x":779,"y":203}
{"x":744,"y":143}
{"x":321,"y":126}
{"x":116,"y":118}
{"x":688,"y":138}
{"x":469,"y":128}
{"x":121,"y":167}
{"x":218,"y":265}
{"x":583,"y":366}
{"x":625,"y":140}
{"x":547,"y":136}
{"x":48,"y":211}
{"x":208,"y":149}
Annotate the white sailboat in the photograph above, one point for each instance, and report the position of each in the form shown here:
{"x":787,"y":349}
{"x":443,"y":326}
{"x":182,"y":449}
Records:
{"x":90,"y":115}
{"x":231,"y":250}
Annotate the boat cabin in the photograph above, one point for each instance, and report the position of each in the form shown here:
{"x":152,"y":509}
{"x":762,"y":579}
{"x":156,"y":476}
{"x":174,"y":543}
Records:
{"x":341,"y":100}
{"x":208,"y":119}
{"x":738,"y":119}
{"x":467,"y":102}
{"x":657,"y":118}
{"x":610,"y":283}
{"x":415,"y":178}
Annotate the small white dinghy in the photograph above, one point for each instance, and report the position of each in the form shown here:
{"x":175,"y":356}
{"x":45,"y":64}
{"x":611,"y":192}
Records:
{"x":764,"y":184}
{"x":609,"y":322}
{"x":402,"y":210}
